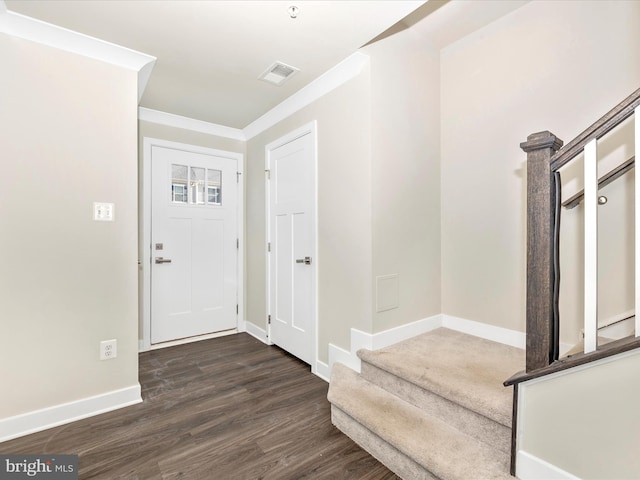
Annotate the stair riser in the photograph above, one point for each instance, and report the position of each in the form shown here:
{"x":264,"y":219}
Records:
{"x":473,"y":424}
{"x":388,"y":455}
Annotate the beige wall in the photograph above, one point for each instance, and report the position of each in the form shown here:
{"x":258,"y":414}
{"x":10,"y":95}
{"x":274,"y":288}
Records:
{"x":405,"y":155}
{"x":550,"y":65}
{"x":378,"y":189}
{"x":585,"y":421}
{"x":68,"y":136}
{"x":344,"y":212}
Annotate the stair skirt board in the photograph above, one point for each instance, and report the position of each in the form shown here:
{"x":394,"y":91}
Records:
{"x":473,"y":424}
{"x":385,"y":453}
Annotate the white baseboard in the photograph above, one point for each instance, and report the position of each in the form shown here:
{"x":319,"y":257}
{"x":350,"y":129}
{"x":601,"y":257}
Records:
{"x":322,"y":370}
{"x":486,"y":331}
{"x":404,"y":332}
{"x":345,"y":357}
{"x":257,"y":332}
{"x":360,"y":339}
{"x":491,"y":332}
{"x":530,"y":467}
{"x":31,"y":422}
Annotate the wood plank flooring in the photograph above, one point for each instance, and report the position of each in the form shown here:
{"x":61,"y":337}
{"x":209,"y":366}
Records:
{"x":227,"y":408}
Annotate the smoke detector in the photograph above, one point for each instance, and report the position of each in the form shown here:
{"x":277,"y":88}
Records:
{"x":278,"y":73}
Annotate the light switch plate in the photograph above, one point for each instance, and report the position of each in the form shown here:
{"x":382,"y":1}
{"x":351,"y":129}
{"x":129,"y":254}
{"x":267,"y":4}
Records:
{"x":103,"y":212}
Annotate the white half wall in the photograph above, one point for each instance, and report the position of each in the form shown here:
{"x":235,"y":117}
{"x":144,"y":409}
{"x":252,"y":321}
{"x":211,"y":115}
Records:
{"x":582,"y":422}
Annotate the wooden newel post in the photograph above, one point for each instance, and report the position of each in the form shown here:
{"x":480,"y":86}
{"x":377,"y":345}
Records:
{"x":540,"y":147}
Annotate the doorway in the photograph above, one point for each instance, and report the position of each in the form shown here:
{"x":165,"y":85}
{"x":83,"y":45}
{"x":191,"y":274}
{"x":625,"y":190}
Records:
{"x":192,"y":255}
{"x":292,"y":260}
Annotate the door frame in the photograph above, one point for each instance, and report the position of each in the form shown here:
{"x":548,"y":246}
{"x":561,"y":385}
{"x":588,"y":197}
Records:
{"x":310,"y":128}
{"x":144,"y":248}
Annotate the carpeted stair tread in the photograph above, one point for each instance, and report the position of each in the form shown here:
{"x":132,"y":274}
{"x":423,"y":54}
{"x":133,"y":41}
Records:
{"x":462,"y":368}
{"x":442,"y":450}
{"x":471,"y":423}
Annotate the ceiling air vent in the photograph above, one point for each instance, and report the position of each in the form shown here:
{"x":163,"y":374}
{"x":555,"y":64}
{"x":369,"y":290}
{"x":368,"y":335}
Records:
{"x":278,"y":73}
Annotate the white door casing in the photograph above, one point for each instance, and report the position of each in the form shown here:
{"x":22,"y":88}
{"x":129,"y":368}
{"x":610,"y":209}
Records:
{"x":199,"y":291}
{"x":291,"y":235}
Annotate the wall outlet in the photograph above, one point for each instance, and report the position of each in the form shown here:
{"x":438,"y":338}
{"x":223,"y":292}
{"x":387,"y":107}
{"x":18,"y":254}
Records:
{"x":108,"y":349}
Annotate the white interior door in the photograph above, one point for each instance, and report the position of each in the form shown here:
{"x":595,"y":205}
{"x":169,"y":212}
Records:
{"x":193,"y":244}
{"x":292,"y":266}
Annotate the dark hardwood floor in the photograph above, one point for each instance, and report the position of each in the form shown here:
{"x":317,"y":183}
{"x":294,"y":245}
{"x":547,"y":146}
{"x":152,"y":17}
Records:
{"x":227,"y":408}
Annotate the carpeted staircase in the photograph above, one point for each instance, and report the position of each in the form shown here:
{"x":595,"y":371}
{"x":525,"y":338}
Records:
{"x":431,"y":407}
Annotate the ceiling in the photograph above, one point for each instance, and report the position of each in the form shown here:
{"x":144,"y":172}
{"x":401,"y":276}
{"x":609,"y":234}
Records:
{"x":211,"y":52}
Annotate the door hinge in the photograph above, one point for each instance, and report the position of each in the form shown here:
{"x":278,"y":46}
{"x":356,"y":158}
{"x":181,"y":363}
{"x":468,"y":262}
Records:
{"x":268,"y":172}
{"x":237,"y":243}
{"x":238,"y":177}
{"x":268,"y":246}
{"x":237,"y":309}
{"x":269,"y":319}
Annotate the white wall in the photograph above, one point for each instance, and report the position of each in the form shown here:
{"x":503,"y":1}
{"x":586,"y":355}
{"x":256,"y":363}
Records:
{"x":550,"y":65}
{"x":583,"y":421}
{"x":68,"y":136}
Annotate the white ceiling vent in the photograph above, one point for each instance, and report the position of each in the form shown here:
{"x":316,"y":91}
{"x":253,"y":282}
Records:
{"x":278,"y":73}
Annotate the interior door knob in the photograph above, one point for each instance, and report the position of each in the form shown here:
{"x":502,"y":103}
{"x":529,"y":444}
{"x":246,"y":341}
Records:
{"x":163,"y":260}
{"x":305,"y":260}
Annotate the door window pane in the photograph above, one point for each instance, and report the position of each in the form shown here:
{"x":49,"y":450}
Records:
{"x":179,"y":183}
{"x":214,"y":187}
{"x":197,"y":185}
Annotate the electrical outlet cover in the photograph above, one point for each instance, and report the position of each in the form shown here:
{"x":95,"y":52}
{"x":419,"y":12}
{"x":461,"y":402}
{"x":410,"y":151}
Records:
{"x":108,"y":349}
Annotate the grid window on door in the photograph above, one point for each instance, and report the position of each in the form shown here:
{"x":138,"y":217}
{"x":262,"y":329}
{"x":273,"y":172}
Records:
{"x":196,"y":185}
{"x":179,"y":183}
{"x":214,"y":187}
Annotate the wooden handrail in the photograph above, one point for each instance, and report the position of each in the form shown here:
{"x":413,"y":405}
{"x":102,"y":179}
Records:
{"x":608,"y":350}
{"x":604,"y":181}
{"x":610,"y":120}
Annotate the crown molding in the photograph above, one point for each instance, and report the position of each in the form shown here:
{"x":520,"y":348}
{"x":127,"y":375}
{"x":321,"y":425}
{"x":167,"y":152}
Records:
{"x":325,"y":83}
{"x":343,"y":72}
{"x":44,"y":33}
{"x":54,"y":36}
{"x":177,"y":121}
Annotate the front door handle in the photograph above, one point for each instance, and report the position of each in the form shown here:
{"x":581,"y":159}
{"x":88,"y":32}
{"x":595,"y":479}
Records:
{"x":305,"y":260}
{"x":163,"y":260}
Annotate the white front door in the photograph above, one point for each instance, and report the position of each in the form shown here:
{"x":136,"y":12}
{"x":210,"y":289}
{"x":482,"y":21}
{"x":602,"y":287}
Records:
{"x":193,"y":244}
{"x":292,"y":262}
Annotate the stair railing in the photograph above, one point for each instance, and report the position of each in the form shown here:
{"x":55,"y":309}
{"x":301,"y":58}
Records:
{"x":545,"y":158}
